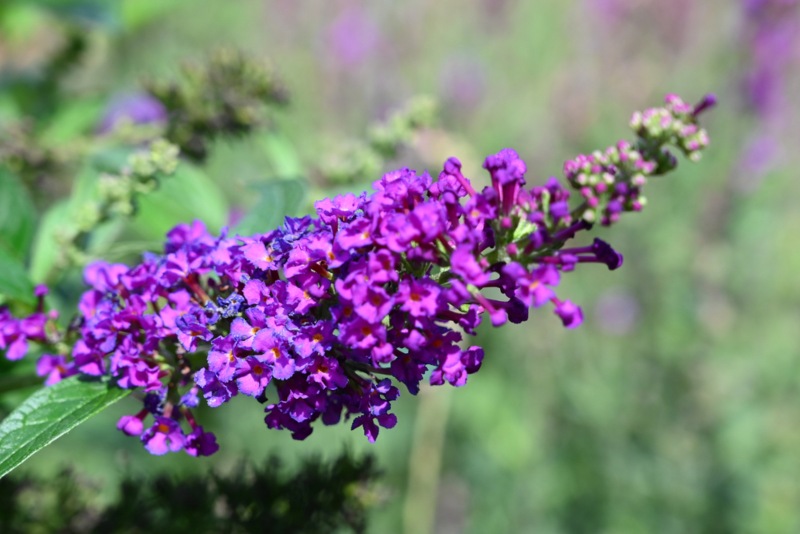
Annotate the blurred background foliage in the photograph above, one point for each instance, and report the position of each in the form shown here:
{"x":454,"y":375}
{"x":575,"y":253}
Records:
{"x":322,"y":496}
{"x":674,"y":408}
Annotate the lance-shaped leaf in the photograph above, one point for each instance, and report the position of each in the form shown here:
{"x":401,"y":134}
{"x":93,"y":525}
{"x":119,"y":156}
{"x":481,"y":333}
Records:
{"x":17,"y":216}
{"x":14,"y":281}
{"x":278,"y":199}
{"x":49,"y":414}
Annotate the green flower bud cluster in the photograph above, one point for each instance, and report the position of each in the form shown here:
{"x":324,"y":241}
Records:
{"x":611,"y":181}
{"x":386,"y":139}
{"x":228,"y":94}
{"x":359,"y":161}
{"x":116,"y":196}
{"x":675,"y":124}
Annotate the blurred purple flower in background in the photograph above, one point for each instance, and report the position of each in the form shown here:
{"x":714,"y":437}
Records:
{"x":616,"y":312}
{"x":462,"y":83}
{"x":759,"y":154}
{"x":352,"y":37}
{"x":136,"y":108}
{"x":770,"y":28}
{"x":667,"y":22}
{"x":612,"y":11}
{"x":497,"y":11}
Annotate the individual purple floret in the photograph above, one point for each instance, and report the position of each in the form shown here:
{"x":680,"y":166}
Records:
{"x":15,"y":333}
{"x":317,"y":318}
{"x":164,"y":436}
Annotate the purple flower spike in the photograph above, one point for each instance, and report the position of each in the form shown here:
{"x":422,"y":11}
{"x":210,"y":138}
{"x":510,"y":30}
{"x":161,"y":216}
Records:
{"x":327,"y":311}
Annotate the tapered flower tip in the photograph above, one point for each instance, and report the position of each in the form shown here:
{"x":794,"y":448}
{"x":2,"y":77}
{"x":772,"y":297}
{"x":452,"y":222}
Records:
{"x":571,"y":314}
{"x":707,"y":102}
{"x":506,"y":166}
{"x":607,"y":255}
{"x":452,"y":166}
{"x":130,"y":425}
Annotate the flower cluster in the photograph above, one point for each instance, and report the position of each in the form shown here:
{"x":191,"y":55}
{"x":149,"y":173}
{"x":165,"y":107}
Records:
{"x":619,"y":173}
{"x":315,"y":318}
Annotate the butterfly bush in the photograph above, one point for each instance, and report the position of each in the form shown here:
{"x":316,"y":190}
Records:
{"x":322,"y":318}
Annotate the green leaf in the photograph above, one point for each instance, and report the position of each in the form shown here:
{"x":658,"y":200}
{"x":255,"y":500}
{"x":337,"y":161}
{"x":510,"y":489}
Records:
{"x":17,"y":216}
{"x":72,"y":121}
{"x":85,"y":187}
{"x":95,"y":11}
{"x":111,"y":159}
{"x":278,"y":199}
{"x":187,"y":195}
{"x":46,"y":248}
{"x":139,"y":13}
{"x":17,"y":21}
{"x":49,"y":414}
{"x":14,"y":281}
{"x":282,"y":154}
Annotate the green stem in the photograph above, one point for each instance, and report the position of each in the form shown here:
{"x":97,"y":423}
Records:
{"x":425,"y":460}
{"x":358,"y":366}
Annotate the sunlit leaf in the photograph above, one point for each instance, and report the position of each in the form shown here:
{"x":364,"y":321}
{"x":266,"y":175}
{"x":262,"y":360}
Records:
{"x":46,"y":248}
{"x":277,"y":200}
{"x":138,"y":13}
{"x":17,"y":216}
{"x":282,"y":154}
{"x":95,"y":11}
{"x":187,"y":195}
{"x":49,"y":414}
{"x":71,"y":121}
{"x":14,"y":281}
